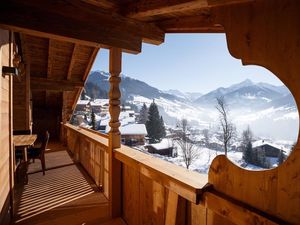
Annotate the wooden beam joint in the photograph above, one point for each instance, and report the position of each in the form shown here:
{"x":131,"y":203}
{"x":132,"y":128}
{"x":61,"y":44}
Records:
{"x":54,"y":85}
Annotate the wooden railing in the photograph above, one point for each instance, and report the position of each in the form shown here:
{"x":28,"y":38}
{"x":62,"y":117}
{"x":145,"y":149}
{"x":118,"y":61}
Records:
{"x":158,"y":192}
{"x":154,"y":191}
{"x":90,"y":149}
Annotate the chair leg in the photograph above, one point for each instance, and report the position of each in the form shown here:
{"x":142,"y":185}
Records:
{"x":43,"y":164}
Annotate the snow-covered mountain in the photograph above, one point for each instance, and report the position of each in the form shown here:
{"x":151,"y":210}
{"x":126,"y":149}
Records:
{"x":270,"y":110}
{"x":190,"y":96}
{"x":98,"y":83}
{"x":246,"y":94}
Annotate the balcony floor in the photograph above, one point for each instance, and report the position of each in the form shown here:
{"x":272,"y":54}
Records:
{"x":65,"y":195}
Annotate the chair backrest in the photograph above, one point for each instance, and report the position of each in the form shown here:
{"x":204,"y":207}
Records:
{"x":45,"y":142}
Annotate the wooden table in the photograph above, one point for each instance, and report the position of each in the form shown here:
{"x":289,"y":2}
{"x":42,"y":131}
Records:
{"x":24,"y":141}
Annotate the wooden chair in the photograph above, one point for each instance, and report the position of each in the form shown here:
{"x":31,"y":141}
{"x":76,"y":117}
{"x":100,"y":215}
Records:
{"x":39,"y":153}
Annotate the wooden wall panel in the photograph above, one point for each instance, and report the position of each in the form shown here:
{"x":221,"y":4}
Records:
{"x":264,"y":33}
{"x":143,"y":199}
{"x":196,"y":214}
{"x":21,"y":102}
{"x":131,"y":195}
{"x":89,"y":153}
{"x":5,"y":127}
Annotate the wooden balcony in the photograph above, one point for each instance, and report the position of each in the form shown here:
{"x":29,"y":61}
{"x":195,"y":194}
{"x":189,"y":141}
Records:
{"x":157,"y":192}
{"x":65,"y":195}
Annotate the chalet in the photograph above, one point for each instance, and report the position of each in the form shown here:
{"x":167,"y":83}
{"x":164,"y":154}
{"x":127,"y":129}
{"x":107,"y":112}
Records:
{"x":47,"y":49}
{"x":270,"y":150}
{"x":163,"y":148}
{"x":99,"y":106}
{"x":133,"y":134}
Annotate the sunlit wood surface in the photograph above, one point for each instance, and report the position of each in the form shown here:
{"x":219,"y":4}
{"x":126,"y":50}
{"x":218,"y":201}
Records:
{"x":65,"y":195}
{"x":24,"y":140}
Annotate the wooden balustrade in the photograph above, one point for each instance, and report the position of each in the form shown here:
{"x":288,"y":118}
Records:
{"x":154,"y":191}
{"x":158,"y":192}
{"x":91,"y":150}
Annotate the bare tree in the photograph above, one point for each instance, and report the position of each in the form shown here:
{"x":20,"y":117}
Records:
{"x":186,"y":143}
{"x":206,"y":137}
{"x":227,"y":127}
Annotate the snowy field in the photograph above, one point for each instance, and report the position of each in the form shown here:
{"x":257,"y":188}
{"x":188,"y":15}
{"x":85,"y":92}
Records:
{"x":205,"y":157}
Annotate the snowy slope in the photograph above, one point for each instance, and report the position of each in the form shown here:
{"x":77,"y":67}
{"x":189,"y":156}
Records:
{"x":269,"y":110}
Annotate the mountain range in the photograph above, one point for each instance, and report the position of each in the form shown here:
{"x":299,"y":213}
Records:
{"x":270,"y":110}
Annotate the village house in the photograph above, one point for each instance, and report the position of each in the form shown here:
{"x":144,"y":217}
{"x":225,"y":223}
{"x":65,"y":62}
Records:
{"x":99,"y":106}
{"x":165,"y":147}
{"x":269,"y":149}
{"x":133,"y":134}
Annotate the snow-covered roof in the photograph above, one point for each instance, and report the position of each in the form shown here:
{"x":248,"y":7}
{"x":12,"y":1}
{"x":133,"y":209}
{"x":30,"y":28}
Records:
{"x":263,"y":142}
{"x":133,"y":129}
{"x":165,"y":143}
{"x":95,"y":102}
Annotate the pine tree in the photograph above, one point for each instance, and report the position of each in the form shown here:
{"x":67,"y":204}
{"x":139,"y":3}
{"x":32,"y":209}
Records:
{"x":247,"y":153}
{"x":162,"y":127}
{"x":153,"y":124}
{"x":143,"y":114}
{"x":93,"y":120}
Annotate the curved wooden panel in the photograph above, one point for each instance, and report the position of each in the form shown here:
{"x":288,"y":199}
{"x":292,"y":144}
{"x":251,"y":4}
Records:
{"x":267,"y":34}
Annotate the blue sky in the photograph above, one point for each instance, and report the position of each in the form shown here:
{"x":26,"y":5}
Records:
{"x":188,"y":62}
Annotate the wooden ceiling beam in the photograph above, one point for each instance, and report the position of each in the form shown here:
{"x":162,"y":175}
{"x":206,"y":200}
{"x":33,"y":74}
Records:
{"x":194,"y":24}
{"x":74,"y":21}
{"x":105,"y":4}
{"x":42,"y":84}
{"x":147,"y":8}
{"x":90,"y":63}
{"x":72,"y":62}
{"x":77,"y":96}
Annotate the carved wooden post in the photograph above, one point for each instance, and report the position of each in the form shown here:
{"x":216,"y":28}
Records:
{"x":115,"y":59}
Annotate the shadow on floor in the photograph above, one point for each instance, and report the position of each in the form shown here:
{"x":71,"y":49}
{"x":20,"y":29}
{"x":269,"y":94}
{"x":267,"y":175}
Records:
{"x":65,"y":195}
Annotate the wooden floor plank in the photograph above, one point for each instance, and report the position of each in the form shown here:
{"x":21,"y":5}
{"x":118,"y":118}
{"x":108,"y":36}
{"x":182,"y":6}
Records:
{"x":65,"y":195}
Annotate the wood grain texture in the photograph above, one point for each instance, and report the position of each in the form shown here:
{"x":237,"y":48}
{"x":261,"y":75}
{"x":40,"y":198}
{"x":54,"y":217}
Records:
{"x":89,"y":149}
{"x":171,"y":211}
{"x":114,"y":135}
{"x":202,"y":23}
{"x":42,"y":84}
{"x":150,"y":8}
{"x":186,"y":183}
{"x":29,"y":17}
{"x":273,"y":191}
{"x":5,"y":126}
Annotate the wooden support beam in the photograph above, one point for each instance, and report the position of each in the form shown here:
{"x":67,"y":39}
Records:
{"x":54,"y":85}
{"x":90,"y":63}
{"x":172,"y":205}
{"x":148,"y":8}
{"x":50,"y":59}
{"x":237,"y":212}
{"x":76,"y":98}
{"x":115,"y":173}
{"x":77,"y":22}
{"x":192,"y":24}
{"x":72,"y":61}
{"x":106,"y":4}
